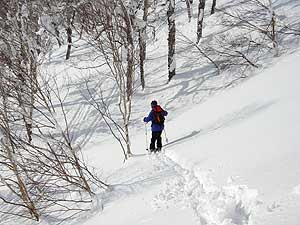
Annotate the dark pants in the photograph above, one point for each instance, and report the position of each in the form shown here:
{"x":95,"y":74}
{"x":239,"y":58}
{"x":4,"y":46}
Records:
{"x":156,"y":136}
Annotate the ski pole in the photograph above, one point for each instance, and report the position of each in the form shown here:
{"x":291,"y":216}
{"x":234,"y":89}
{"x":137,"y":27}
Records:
{"x":146,"y":134}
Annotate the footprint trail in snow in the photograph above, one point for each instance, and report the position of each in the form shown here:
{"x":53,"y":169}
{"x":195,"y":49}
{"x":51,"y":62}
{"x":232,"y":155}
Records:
{"x":227,"y":205}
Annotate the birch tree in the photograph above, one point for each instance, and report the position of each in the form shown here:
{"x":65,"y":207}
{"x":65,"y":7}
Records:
{"x":45,"y":176}
{"x":213,"y":7}
{"x":200,"y":19}
{"x":273,"y":28}
{"x":23,"y":48}
{"x":42,"y":172}
{"x":253,"y":32}
{"x":69,"y":22}
{"x":262,"y":21}
{"x":171,"y":39}
{"x":109,"y":26}
{"x":142,"y":42}
{"x":189,"y":8}
{"x":9,"y":166}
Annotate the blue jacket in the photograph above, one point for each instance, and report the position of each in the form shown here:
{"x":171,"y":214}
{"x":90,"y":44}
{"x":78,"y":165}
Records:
{"x":155,"y":127}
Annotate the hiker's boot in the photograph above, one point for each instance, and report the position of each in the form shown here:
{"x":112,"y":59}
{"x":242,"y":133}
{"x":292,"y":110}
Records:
{"x":158,"y":149}
{"x":152,"y":150}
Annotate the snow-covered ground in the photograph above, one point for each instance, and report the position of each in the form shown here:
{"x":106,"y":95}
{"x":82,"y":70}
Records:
{"x":230,"y":159}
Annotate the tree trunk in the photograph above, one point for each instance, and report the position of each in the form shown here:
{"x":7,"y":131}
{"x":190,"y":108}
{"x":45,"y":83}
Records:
{"x":57,"y":34}
{"x":69,"y":38}
{"x":129,"y":76}
{"x":142,"y":43}
{"x":273,"y":27}
{"x":130,"y":62}
{"x":21,"y":186}
{"x":142,"y":46}
{"x":201,"y":7}
{"x":127,"y":137}
{"x":189,"y":10}
{"x":70,"y":18}
{"x":171,"y":39}
{"x":26,"y":64}
{"x":213,"y":7}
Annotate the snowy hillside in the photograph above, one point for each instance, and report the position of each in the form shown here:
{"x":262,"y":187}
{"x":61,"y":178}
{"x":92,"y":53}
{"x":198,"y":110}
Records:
{"x":232,"y":160}
{"x":231,"y":142}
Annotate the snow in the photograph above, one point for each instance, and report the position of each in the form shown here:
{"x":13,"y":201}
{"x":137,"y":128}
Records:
{"x":249,"y":132}
{"x":231,"y":158}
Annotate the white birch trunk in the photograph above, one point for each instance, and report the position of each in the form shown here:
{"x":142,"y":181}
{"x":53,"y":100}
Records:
{"x":142,"y":43}
{"x":128,"y":87}
{"x":189,"y":9}
{"x":273,"y":28}
{"x":171,"y":39}
{"x":201,"y":7}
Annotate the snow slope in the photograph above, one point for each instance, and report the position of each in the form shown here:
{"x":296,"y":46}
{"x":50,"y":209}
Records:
{"x":249,"y":136}
{"x":232,"y":159}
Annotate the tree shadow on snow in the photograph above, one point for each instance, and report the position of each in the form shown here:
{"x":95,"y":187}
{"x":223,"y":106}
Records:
{"x":228,"y":120}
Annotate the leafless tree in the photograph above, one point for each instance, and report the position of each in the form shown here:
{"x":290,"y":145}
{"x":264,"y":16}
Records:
{"x":47,"y":175}
{"x":253,"y":30}
{"x":262,"y":20}
{"x":201,"y":7}
{"x":142,"y":42}
{"x":42,"y":171}
{"x":213,"y":7}
{"x":189,"y":9}
{"x":15,"y":182}
{"x":171,"y":39}
{"x":60,"y":19}
{"x":70,"y":14}
{"x":273,"y":28}
{"x":23,"y":49}
{"x":110,"y":28}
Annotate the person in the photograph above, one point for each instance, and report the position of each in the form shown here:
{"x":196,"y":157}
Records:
{"x":156,"y":116}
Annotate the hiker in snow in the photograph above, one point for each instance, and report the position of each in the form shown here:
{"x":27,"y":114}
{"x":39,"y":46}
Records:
{"x":157,"y":117}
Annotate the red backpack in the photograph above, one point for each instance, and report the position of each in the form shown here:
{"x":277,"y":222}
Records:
{"x":158,"y":114}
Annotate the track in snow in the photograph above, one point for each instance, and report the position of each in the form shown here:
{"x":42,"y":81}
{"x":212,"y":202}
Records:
{"x":227,"y":205}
